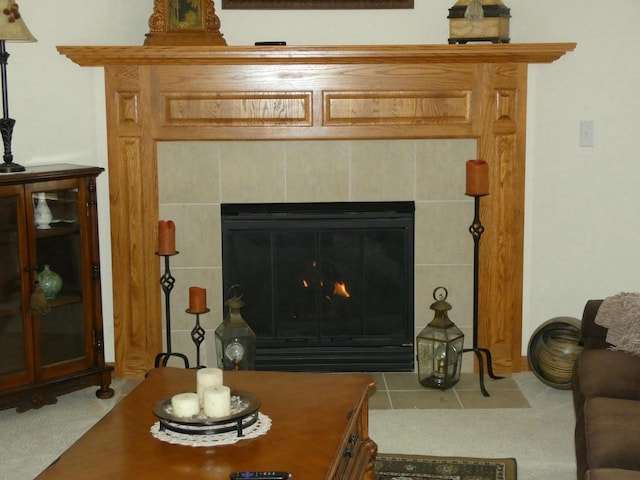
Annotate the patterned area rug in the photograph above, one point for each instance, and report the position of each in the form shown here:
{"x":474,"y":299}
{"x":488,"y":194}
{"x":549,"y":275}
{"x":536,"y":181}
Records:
{"x":419,"y":467}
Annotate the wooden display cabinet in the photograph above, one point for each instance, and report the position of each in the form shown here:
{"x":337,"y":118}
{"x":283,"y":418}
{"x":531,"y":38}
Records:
{"x":54,"y":345}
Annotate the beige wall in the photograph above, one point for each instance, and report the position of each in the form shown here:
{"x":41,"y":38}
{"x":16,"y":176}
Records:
{"x":582,"y":231}
{"x":430,"y":172}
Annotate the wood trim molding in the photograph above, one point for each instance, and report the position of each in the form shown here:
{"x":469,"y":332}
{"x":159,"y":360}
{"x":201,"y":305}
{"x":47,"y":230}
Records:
{"x":355,"y":92}
{"x":88,"y":56}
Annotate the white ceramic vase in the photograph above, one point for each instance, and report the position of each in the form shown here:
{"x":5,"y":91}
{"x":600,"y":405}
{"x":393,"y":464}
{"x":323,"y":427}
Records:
{"x":42,"y":214}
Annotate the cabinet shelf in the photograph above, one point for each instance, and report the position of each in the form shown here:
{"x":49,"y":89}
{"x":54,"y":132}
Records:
{"x":58,"y":229}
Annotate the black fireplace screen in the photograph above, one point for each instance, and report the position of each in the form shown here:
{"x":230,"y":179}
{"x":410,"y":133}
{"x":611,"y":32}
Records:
{"x":327,"y":286}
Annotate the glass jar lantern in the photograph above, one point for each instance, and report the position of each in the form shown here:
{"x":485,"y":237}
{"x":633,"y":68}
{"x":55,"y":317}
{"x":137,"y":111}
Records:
{"x":439,"y":347}
{"x":235,"y":341}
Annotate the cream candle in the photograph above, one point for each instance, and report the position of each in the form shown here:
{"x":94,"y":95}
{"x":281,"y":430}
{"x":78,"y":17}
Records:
{"x":185,"y":405}
{"x":207,"y":377}
{"x":217,"y":401}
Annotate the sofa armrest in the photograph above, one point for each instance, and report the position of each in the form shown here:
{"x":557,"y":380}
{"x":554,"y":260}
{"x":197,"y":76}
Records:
{"x":593,"y":336}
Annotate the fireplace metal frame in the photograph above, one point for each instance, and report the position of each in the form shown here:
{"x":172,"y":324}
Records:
{"x":326,"y":353}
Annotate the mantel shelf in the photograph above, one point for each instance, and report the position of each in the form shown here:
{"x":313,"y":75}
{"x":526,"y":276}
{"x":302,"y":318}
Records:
{"x":88,"y":56}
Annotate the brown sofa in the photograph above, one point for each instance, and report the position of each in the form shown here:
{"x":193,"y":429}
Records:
{"x":606,"y":394}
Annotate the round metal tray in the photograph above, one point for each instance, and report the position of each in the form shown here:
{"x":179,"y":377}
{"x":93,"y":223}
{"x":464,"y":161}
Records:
{"x":244,"y":413}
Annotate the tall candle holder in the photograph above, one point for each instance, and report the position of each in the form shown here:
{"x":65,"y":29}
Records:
{"x":198,"y":334}
{"x":166,"y":282}
{"x":477,"y":229}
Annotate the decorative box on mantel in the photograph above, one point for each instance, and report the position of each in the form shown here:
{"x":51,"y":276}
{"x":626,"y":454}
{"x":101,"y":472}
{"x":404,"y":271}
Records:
{"x":493,"y":27}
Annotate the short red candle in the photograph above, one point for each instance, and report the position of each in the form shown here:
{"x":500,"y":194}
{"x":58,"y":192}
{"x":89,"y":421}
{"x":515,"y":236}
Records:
{"x":197,"y":300}
{"x":166,"y":237}
{"x":477,"y":178}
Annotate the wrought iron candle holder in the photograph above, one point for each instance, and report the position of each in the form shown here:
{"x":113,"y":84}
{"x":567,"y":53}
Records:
{"x":477,"y":229}
{"x":166,"y":282}
{"x":198,"y":334}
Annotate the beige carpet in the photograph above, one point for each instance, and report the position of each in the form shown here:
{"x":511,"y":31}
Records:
{"x":540,"y":437}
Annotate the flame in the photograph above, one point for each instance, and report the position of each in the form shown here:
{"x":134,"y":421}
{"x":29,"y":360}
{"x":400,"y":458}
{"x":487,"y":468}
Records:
{"x":305,"y":284}
{"x":340,"y":289}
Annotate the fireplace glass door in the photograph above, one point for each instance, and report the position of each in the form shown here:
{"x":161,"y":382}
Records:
{"x":327,"y":286}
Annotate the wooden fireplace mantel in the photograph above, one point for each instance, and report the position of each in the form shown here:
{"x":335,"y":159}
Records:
{"x":301,"y":93}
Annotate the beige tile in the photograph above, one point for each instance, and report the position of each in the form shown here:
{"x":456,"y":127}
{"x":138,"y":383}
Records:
{"x":457,"y":279}
{"x":470,"y":381}
{"x":380,"y":383}
{"x":402,"y":381}
{"x":382,"y":170}
{"x":442,"y":233}
{"x":252,"y":172}
{"x":425,"y":399}
{"x":317,"y":171}
{"x":188,"y":172}
{"x":197,"y":234}
{"x":497,"y":398}
{"x":440,"y":168}
{"x":209,"y":278}
{"x":181,"y":342}
{"x":379,"y":401}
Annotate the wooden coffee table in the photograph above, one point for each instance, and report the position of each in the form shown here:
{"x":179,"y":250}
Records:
{"x":319,"y":431}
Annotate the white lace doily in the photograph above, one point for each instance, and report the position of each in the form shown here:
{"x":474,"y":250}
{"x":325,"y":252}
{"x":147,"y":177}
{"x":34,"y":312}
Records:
{"x":262,"y":426}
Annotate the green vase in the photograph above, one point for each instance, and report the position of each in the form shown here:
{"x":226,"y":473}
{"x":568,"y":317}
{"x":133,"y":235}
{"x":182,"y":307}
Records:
{"x":50,"y":282}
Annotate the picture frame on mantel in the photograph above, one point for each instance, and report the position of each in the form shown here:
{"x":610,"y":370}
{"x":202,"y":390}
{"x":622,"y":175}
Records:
{"x":314,"y":4}
{"x":184,"y":22}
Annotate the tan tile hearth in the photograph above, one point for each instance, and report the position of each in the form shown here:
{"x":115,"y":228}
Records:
{"x":403,"y":391}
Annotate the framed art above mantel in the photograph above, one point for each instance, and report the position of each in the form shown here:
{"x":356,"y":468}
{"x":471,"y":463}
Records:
{"x":314,"y":4}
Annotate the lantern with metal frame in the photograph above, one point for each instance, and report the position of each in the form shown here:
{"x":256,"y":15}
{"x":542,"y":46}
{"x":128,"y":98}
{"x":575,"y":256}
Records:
{"x":235,"y":341}
{"x":439,"y":347}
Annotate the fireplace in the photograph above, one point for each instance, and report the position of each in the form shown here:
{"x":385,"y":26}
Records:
{"x":159,"y":94}
{"x":327,"y":286}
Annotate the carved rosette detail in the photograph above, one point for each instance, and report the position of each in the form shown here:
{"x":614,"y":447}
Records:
{"x":157,"y":19}
{"x":212,"y":21}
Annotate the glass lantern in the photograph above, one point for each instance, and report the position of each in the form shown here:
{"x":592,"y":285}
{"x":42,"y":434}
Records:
{"x":235,"y":341}
{"x":439,"y":347}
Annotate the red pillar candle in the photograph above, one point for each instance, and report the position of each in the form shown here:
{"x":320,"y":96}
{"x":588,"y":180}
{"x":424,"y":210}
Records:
{"x":197,"y":300}
{"x":166,"y":237}
{"x":477,"y":178}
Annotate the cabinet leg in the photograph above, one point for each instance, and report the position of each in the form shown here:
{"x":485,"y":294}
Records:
{"x":105,"y":392}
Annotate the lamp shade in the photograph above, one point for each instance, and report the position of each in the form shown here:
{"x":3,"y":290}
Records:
{"x":12,"y":26}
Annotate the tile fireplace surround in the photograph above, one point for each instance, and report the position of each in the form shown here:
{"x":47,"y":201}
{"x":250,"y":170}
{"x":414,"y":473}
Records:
{"x":430,"y":172}
{"x":343,"y":94}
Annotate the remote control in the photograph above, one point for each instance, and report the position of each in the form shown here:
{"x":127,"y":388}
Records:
{"x":260,"y":475}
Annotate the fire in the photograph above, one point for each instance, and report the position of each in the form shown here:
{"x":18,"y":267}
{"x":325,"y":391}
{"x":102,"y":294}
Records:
{"x":340,"y":289}
{"x":305,"y":284}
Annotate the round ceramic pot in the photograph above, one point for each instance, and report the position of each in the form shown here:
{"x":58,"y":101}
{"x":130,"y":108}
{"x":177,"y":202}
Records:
{"x":553,"y":350}
{"x":50,"y":282}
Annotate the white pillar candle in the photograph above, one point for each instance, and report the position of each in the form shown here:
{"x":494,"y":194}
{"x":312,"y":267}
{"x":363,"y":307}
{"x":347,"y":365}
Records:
{"x":217,"y":401}
{"x":185,"y":405}
{"x":207,"y":377}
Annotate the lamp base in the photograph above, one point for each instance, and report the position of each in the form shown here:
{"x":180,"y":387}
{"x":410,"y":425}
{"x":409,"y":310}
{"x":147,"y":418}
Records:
{"x":6,"y":130}
{"x":11,"y":168}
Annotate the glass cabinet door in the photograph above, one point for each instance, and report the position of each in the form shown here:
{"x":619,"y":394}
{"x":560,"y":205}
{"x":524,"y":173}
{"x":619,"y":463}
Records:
{"x":62,"y":335}
{"x":16,"y":354}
